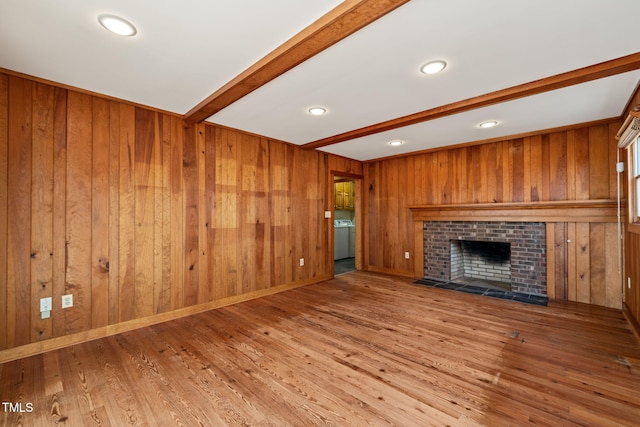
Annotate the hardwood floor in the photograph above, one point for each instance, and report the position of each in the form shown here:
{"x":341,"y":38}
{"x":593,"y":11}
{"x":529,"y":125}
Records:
{"x":361,"y":349}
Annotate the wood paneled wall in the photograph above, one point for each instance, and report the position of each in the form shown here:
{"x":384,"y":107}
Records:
{"x":632,"y":275}
{"x":138,"y":216}
{"x":339,"y":164}
{"x":143,"y":219}
{"x":632,"y":248}
{"x":573,"y":164}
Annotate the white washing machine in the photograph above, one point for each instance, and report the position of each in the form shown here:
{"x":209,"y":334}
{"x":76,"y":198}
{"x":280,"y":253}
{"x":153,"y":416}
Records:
{"x":341,"y":244}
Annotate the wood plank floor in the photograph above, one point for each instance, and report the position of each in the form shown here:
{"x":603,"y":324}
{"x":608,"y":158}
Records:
{"x":361,"y":349}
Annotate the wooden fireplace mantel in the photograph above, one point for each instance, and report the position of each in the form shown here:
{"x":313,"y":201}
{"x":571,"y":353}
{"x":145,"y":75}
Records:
{"x":603,"y":210}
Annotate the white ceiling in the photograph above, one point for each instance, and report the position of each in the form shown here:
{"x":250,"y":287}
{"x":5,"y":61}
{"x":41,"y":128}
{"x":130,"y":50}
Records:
{"x":184,"y":51}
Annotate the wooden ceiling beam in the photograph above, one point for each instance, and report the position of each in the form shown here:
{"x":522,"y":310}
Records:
{"x":342,"y":21}
{"x":559,"y":81}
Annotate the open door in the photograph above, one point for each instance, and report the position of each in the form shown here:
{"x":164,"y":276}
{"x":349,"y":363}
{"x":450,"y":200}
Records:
{"x":346,"y":224}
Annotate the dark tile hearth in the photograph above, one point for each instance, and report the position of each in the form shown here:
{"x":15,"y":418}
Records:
{"x":494,"y":293}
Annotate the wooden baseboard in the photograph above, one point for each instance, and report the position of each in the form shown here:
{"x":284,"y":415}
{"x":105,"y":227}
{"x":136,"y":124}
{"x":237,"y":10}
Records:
{"x":633,"y":322}
{"x":93,"y":334}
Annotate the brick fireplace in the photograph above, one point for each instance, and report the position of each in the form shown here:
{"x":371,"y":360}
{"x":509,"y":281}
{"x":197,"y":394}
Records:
{"x":521,"y":245}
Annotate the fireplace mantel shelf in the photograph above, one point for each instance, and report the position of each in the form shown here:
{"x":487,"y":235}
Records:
{"x":601,"y":210}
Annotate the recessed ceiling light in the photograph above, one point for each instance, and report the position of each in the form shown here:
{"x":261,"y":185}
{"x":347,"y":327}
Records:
{"x":433,"y":67}
{"x":488,"y":124}
{"x":117,"y":25}
{"x":395,"y":143}
{"x":317,"y":111}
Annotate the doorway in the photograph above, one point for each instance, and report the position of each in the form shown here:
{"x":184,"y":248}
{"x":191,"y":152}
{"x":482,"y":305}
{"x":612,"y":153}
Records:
{"x":344,"y":225}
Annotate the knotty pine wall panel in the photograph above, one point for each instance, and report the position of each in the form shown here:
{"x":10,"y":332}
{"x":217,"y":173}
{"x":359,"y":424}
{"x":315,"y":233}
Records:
{"x":174,"y":136}
{"x":146,"y":255}
{"x":344,"y":165}
{"x":191,"y":218}
{"x":42,"y":203}
{"x":585,"y":263}
{"x":59,"y":219}
{"x":278,"y":209}
{"x":631,"y":243}
{"x":632,"y":273}
{"x":78,"y":200}
{"x":141,"y":218}
{"x":574,"y":164}
{"x":125,"y":297}
{"x":4,"y":212}
{"x":19,"y":208}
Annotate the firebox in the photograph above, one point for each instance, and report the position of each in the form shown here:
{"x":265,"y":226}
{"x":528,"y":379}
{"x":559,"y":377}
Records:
{"x":480,"y":263}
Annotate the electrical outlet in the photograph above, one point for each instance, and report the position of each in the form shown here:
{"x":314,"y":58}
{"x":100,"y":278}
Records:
{"x":301,"y":262}
{"x":327,"y":214}
{"x":45,"y":307}
{"x":67,"y":301}
{"x":406,"y":255}
{"x":46,"y":304}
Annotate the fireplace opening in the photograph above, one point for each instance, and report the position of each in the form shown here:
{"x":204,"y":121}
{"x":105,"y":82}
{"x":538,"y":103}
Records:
{"x":481,"y":263}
